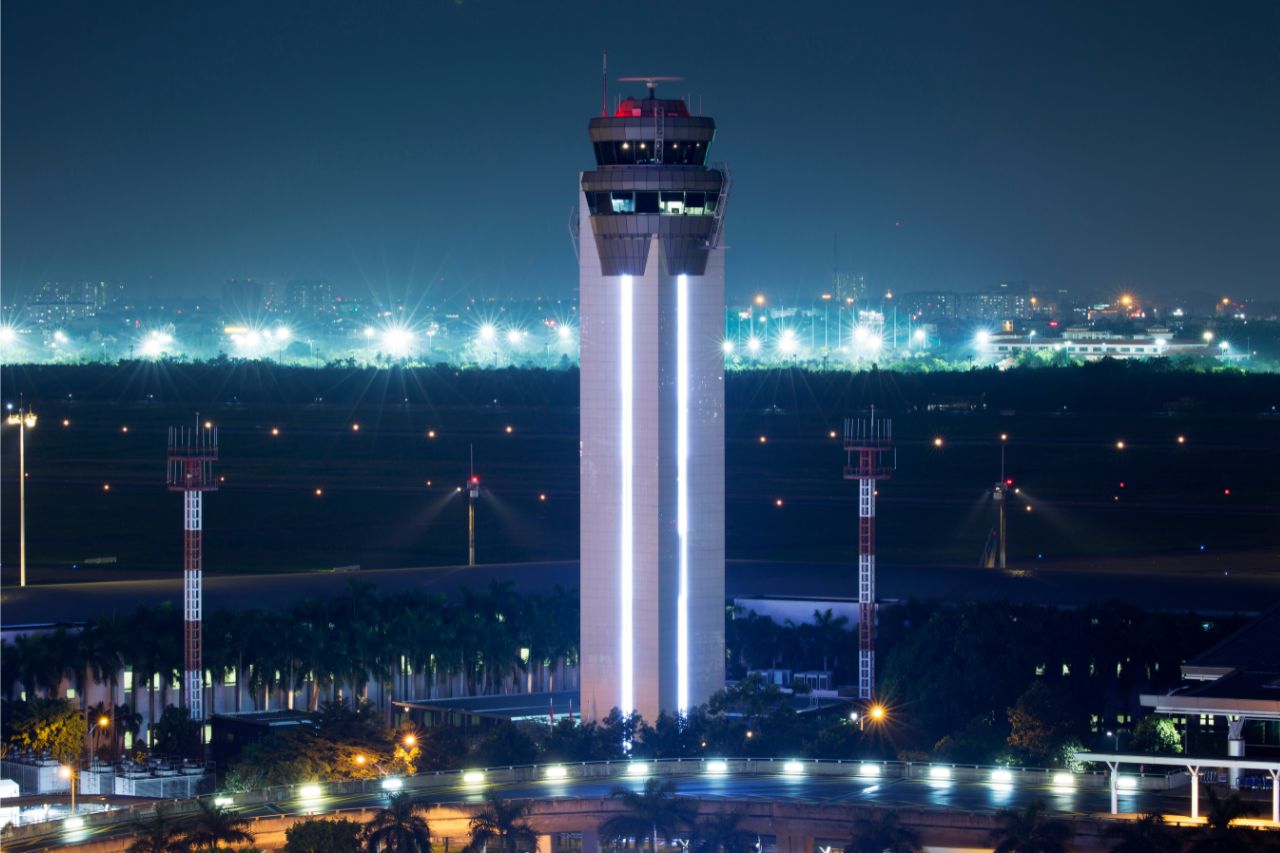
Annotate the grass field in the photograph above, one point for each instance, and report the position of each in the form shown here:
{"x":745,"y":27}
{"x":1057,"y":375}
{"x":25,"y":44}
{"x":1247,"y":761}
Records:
{"x":388,"y":490}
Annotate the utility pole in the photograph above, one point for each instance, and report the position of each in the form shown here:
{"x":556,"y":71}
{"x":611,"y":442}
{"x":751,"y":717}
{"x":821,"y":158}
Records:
{"x":473,"y":492}
{"x":24,"y":419}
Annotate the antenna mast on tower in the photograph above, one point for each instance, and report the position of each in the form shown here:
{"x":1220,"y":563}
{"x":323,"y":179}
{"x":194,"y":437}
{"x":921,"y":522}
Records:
{"x":868,"y":458}
{"x":604,"y":84}
{"x":192,"y":452}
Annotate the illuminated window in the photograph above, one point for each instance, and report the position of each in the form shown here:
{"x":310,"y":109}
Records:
{"x":229,"y":676}
{"x":671,"y":203}
{"x":624,"y":202}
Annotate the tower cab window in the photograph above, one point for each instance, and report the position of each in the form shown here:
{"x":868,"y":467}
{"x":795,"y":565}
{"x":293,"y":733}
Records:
{"x":667,"y":203}
{"x":640,"y":152}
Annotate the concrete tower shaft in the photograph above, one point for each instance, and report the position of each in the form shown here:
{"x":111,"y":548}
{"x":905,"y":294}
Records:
{"x":652,"y":413}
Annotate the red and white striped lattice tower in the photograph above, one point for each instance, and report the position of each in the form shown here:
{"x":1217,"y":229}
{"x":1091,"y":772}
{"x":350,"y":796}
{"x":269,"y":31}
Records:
{"x":192,"y":452}
{"x":868,"y":458}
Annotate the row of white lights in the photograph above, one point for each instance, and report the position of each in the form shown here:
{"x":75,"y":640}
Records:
{"x":714,"y":767}
{"x":865,"y":340}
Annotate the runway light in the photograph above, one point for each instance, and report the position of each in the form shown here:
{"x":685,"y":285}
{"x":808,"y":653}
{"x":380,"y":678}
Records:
{"x":764,"y":439}
{"x":1182,"y":439}
{"x":124,"y":429}
{"x":355,"y":427}
{"x":542,"y":496}
{"x":310,"y":791}
{"x":793,"y":768}
{"x":1001,"y":777}
{"x":556,"y":771}
{"x":319,"y":492}
{"x":275,"y":430}
{"x":66,"y":423}
{"x":778,"y":502}
{"x":473,"y":777}
{"x":208,"y":424}
{"x":1063,"y":780}
{"x":222,"y":802}
{"x":392,"y":783}
{"x":106,"y":487}
{"x":637,"y":768}
{"x":717,"y":767}
{"x":937,"y":441}
{"x":831,"y":434}
{"x":510,"y":429}
{"x":869,"y":770}
{"x":431,"y":433}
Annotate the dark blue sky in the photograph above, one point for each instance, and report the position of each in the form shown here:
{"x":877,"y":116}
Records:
{"x":400,"y":146}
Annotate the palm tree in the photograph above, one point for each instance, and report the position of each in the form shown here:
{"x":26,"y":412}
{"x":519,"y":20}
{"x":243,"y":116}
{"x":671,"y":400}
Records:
{"x":1148,"y":834}
{"x":158,"y":835}
{"x":652,"y":812}
{"x":723,"y":833}
{"x":398,"y":828}
{"x":884,"y":835}
{"x":503,"y":821}
{"x":212,"y":825}
{"x":1218,"y":835}
{"x":831,"y":629}
{"x":1029,"y":831}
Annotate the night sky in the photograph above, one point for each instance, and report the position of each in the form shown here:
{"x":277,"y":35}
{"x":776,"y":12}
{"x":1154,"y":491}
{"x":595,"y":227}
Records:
{"x":433,"y":147}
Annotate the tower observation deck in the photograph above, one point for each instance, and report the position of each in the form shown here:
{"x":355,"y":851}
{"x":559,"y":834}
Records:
{"x":651,"y":297}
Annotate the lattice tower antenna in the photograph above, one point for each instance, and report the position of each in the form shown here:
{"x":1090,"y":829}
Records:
{"x":869,"y":458}
{"x":192,"y":452}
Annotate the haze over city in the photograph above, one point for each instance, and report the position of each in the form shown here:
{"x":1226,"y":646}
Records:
{"x":1091,"y":147}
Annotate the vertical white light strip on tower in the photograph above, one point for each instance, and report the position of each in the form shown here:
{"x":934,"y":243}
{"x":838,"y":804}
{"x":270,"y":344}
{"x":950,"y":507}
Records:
{"x":682,"y":489}
{"x":627,"y":335}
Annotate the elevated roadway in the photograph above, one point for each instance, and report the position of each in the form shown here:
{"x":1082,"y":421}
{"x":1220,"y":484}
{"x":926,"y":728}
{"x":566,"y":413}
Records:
{"x":798,"y":803}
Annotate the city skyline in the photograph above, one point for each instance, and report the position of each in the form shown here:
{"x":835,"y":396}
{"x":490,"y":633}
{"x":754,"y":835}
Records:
{"x":1094,"y":148}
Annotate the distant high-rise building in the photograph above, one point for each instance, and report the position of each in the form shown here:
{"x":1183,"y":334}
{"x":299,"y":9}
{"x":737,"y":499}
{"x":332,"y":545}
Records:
{"x":309,"y":301}
{"x":56,"y":303}
{"x":651,"y":278}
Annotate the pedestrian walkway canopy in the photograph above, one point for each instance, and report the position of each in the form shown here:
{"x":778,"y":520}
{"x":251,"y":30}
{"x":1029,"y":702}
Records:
{"x":1193,"y":765}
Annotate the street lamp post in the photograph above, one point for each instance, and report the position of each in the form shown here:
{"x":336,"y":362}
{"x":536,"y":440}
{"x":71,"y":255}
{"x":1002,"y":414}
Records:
{"x":71,"y":773}
{"x":24,"y":419}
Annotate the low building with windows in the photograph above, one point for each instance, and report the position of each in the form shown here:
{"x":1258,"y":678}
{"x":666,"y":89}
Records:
{"x":1230,"y":701}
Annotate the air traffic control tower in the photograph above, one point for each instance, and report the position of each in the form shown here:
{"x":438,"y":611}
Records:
{"x":651,"y":301}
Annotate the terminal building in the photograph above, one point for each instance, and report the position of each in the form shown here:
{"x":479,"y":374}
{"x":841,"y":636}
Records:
{"x":651,"y":301}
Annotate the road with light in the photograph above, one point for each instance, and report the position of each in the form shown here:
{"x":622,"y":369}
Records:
{"x":856,"y":787}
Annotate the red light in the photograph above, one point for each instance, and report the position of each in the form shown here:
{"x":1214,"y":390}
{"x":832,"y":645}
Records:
{"x":475,"y":480}
{"x":1009,"y":482}
{"x":1053,"y":324}
{"x":1226,"y":491}
{"x":1122,"y":485}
